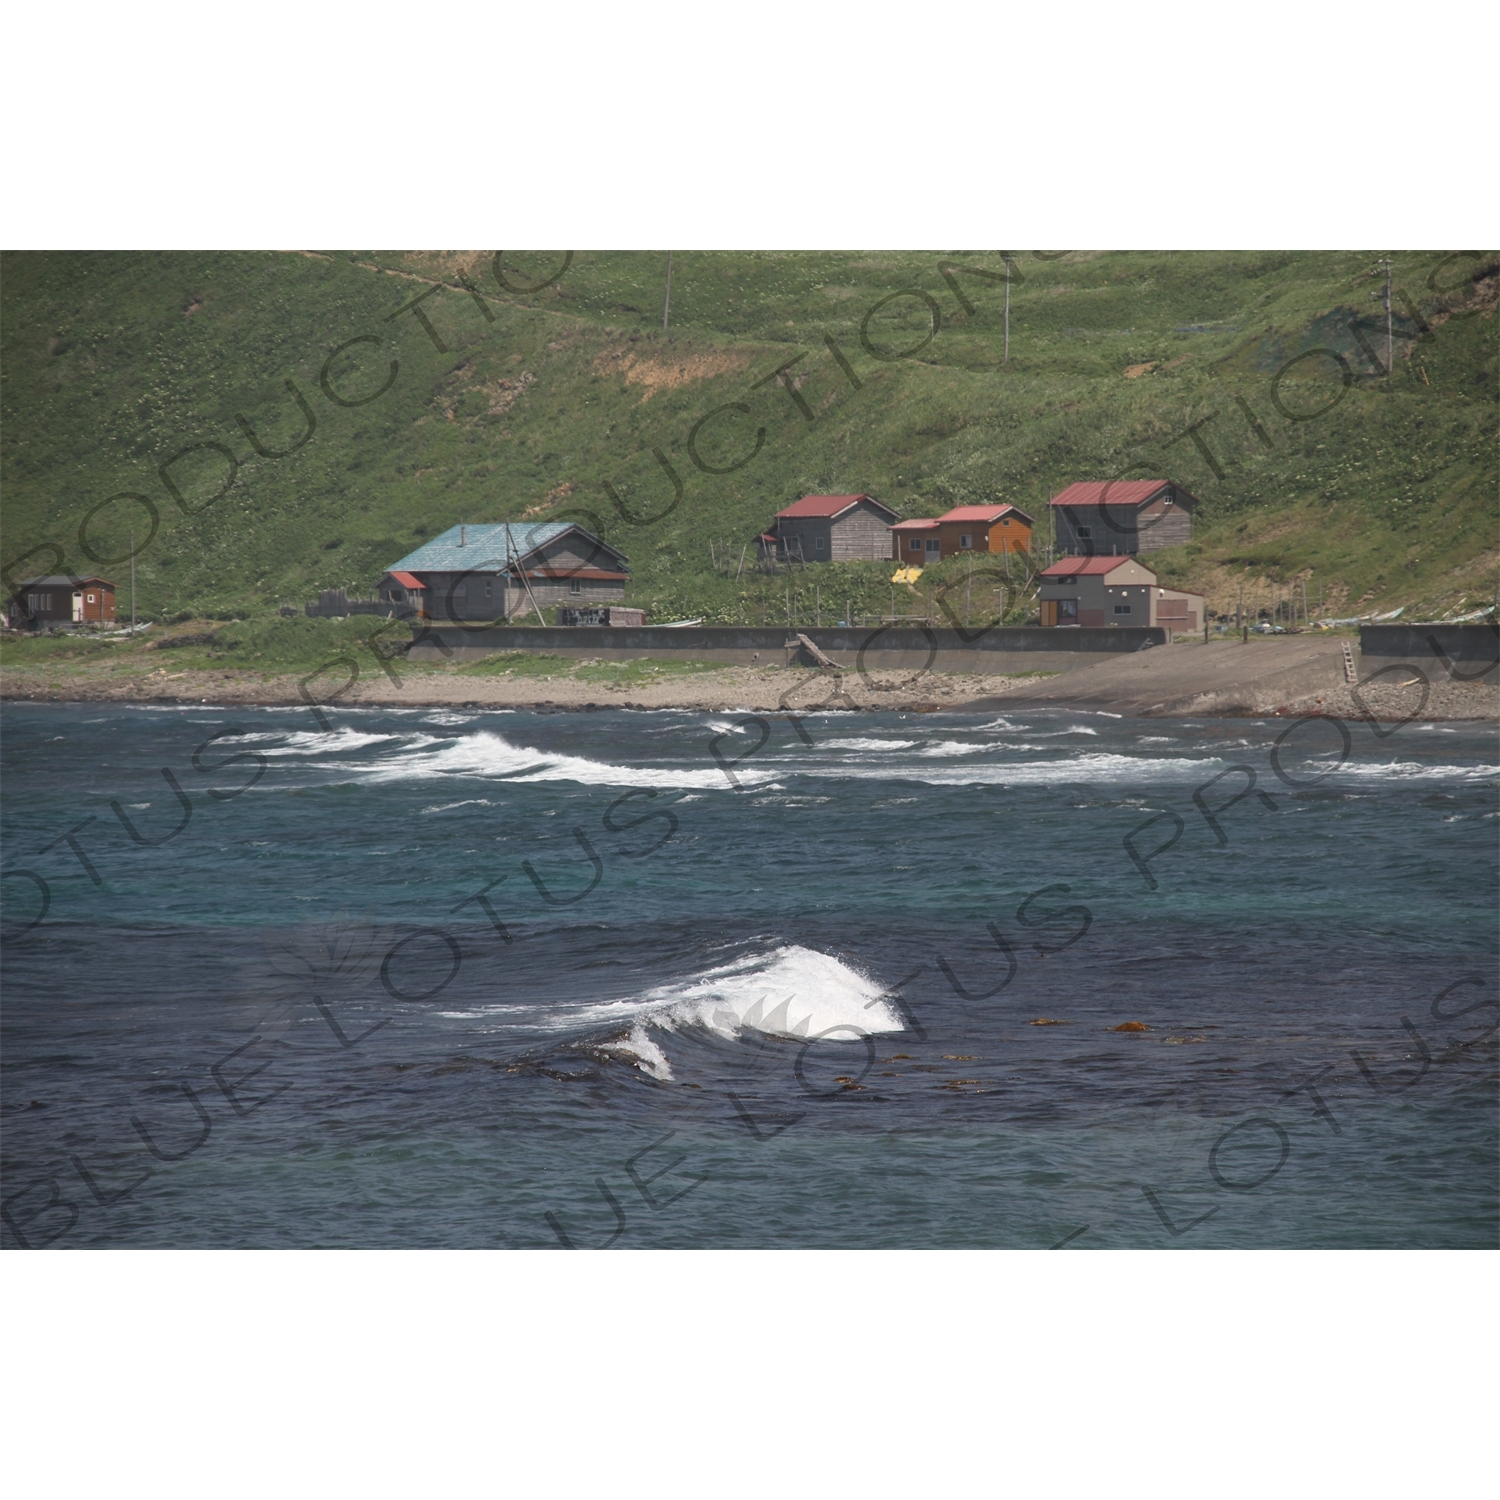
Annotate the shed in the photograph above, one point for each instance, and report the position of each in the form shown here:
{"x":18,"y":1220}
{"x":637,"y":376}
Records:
{"x":1122,"y":517}
{"x":495,"y":572}
{"x":834,"y":528}
{"x":1113,"y":591}
{"x":62,"y":599}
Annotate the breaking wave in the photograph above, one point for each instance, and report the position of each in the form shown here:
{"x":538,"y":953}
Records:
{"x":791,"y":991}
{"x":486,"y":755}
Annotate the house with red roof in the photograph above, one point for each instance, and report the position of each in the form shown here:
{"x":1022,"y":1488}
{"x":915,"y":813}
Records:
{"x":831,"y":528}
{"x":1113,"y":591}
{"x":961,"y":532}
{"x":1122,"y":517}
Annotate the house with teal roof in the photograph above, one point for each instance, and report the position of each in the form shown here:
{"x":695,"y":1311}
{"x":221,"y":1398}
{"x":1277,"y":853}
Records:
{"x":505,"y":572}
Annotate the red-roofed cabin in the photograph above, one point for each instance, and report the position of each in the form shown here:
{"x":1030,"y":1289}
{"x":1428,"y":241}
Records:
{"x":984,"y":528}
{"x":834,"y":528}
{"x":1113,"y":591}
{"x":405,"y":590}
{"x":1122,"y":517}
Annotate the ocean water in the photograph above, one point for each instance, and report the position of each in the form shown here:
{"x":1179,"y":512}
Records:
{"x":628,"y":979}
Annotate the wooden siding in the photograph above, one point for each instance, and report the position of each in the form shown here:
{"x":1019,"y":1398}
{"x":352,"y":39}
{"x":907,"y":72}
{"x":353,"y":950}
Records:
{"x":1122,"y":529}
{"x":861,"y":535}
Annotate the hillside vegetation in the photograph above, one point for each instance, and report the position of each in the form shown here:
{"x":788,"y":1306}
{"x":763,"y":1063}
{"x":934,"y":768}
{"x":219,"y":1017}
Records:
{"x":290,"y":471}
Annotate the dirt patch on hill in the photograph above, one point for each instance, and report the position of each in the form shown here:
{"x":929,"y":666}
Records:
{"x":663,"y":369}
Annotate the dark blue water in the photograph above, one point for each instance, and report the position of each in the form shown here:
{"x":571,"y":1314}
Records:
{"x":777,"y":995}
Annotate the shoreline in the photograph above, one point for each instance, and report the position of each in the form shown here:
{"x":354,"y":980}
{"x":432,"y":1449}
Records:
{"x":749,"y":690}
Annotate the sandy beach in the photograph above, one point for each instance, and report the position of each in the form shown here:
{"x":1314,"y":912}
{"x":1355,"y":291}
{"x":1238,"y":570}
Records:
{"x":728,"y":689}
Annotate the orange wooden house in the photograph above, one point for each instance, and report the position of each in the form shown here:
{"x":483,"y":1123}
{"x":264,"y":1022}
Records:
{"x":963,"y":531}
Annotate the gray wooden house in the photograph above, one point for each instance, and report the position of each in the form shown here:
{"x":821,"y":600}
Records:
{"x":505,"y":571}
{"x":832,"y":528}
{"x":1122,"y":517}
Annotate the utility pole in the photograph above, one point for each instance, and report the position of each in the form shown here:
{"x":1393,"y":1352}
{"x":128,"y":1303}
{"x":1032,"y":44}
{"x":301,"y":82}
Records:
{"x":666,"y":306}
{"x":1385,"y":297}
{"x":1388,"y":364}
{"x":132,"y":583}
{"x":1005,"y":358}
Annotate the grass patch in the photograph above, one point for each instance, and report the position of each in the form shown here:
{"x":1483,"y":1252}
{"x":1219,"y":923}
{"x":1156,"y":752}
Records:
{"x":520,"y":664}
{"x":635,"y":673}
{"x":643,"y":671}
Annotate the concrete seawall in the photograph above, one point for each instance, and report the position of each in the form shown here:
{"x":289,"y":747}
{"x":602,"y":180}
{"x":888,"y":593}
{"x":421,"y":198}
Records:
{"x":998,"y":651}
{"x":1468,"y":652}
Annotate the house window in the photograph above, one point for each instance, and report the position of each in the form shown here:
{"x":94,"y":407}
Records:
{"x":1083,"y":530}
{"x":575,"y":585}
{"x":915,"y":544}
{"x":1067,"y":609}
{"x":1122,"y":609}
{"x":822,"y":544}
{"x":91,"y":598}
{"x":965,"y":540}
{"x":933,"y":545}
{"x":488,"y":586}
{"x":1006,"y":521}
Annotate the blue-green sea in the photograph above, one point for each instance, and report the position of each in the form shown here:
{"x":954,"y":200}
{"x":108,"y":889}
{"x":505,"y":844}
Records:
{"x":627,"y":979}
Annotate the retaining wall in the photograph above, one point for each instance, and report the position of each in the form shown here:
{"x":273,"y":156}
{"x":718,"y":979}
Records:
{"x":997,"y":651}
{"x":1471,"y":648}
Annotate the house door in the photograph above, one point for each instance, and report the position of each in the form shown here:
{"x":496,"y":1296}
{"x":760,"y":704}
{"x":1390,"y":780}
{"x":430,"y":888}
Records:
{"x":78,"y":604}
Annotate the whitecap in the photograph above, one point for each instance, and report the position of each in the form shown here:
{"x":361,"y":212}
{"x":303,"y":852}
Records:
{"x":865,"y":744}
{"x":485,"y":754}
{"x":954,"y":747}
{"x":791,"y":991}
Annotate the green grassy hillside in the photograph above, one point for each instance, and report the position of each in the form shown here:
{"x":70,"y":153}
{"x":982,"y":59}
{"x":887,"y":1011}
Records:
{"x":538,"y":400}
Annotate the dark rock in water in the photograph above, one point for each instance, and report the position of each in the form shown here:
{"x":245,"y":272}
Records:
{"x":1130,"y":1026}
{"x":1046,"y":1021}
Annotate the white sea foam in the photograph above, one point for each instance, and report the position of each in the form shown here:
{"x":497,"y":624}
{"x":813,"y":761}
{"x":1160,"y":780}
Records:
{"x":485,"y":755}
{"x":866,"y":744}
{"x":1396,"y":771}
{"x":308,"y":742}
{"x":941,"y":748}
{"x":1098,"y":766}
{"x":790,"y":991}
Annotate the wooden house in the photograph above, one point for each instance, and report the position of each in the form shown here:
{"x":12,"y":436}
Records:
{"x":504,"y":571}
{"x":917,"y":543}
{"x":832,"y":528}
{"x":984,"y":528}
{"x":62,"y":600}
{"x":1113,"y":591}
{"x":1122,"y":517}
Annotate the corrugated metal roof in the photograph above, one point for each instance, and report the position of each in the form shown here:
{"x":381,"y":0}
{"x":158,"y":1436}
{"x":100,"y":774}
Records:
{"x":983,"y":513}
{"x":829,"y":505}
{"x":1111,"y":492}
{"x":1071,"y":567}
{"x":820,"y":505}
{"x":483,"y":547}
{"x":920,"y":524}
{"x":408,"y":581}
